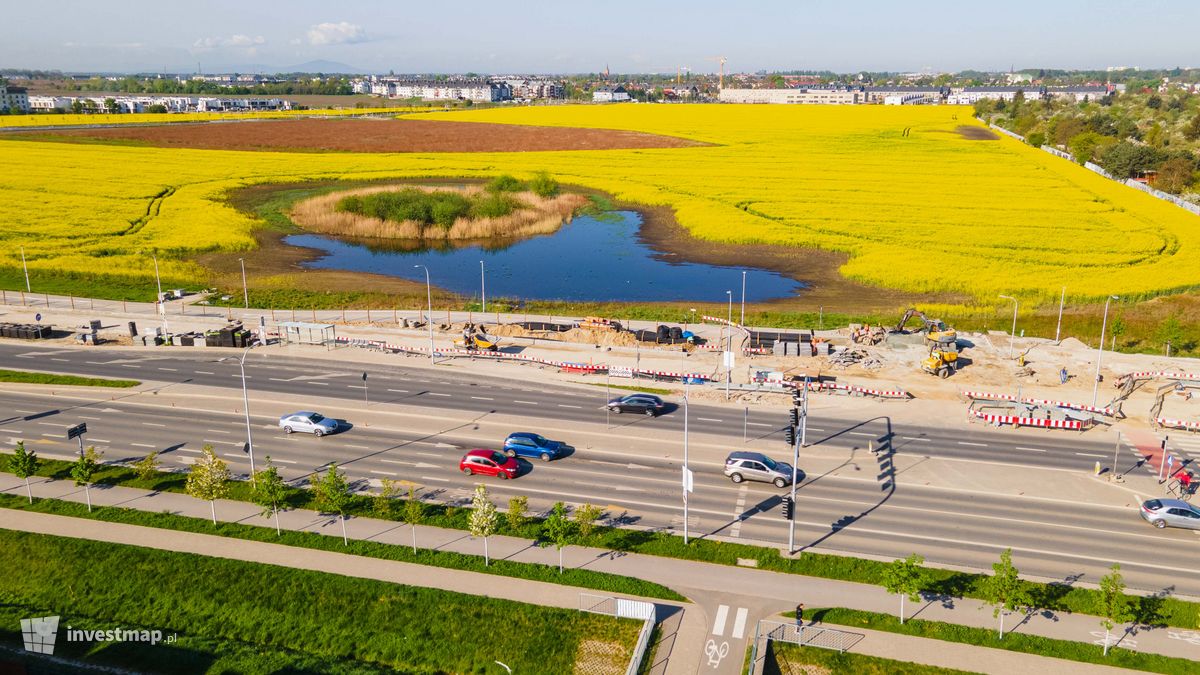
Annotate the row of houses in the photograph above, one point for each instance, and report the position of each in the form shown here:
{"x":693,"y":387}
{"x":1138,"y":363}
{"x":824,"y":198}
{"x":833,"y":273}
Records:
{"x":13,"y":98}
{"x":915,"y":95}
{"x":172,"y":104}
{"x":466,"y":89}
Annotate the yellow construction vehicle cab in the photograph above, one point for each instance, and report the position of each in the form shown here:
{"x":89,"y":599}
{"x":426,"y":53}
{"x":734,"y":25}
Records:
{"x":941,"y":362}
{"x":936,"y":331}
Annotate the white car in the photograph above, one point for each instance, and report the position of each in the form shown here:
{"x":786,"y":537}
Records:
{"x":308,"y":422}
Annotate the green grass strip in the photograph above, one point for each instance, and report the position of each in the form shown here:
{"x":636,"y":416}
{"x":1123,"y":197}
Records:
{"x":232,"y":616}
{"x":1149,"y":610}
{"x":1084,"y":652}
{"x":583,"y":578}
{"x":785,"y":658}
{"x":54,"y":378}
{"x":630,"y":387}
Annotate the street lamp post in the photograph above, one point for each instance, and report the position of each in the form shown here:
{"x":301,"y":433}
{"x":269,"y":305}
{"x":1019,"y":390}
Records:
{"x":245,"y":289}
{"x":482,"y":287}
{"x":26,"y":268}
{"x":685,"y":462}
{"x":1061,"y":301}
{"x":1012,"y":335}
{"x":1100,"y":352}
{"x":743,"y":319}
{"x":429,"y":317}
{"x":162,"y":309}
{"x":801,"y":439}
{"x":246,"y":405}
{"x":729,"y":350}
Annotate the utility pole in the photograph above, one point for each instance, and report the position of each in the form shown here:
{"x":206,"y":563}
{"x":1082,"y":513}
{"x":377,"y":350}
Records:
{"x":743,"y":319}
{"x":1100,"y":350}
{"x":687,"y":483}
{"x":482,"y":287}
{"x":800,"y":439}
{"x":162,"y":308}
{"x":429,"y":318}
{"x":1062,"y":299}
{"x":26,"y":267}
{"x":245,"y":289}
{"x":1013,"y":334}
{"x":729,"y":351}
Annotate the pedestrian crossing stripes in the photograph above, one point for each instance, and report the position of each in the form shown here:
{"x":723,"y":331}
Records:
{"x":739,"y":622}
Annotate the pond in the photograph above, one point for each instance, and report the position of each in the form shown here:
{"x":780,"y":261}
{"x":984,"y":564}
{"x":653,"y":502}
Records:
{"x":589,"y":259}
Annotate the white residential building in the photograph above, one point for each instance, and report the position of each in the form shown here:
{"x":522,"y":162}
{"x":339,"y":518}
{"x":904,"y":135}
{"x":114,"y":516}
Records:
{"x":972,"y":95}
{"x":831,"y":96}
{"x":610,"y":95}
{"x":14,"y":97}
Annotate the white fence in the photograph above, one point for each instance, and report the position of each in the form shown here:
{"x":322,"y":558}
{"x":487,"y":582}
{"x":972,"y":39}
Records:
{"x":624,"y":608}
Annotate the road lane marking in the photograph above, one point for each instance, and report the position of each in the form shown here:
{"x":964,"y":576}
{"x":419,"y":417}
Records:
{"x":1029,"y":449}
{"x":63,"y":360}
{"x":436,"y":480}
{"x":278,"y":379}
{"x":357,"y":447}
{"x":719,"y":622}
{"x":144,"y":445}
{"x":153,"y":424}
{"x":438,"y":393}
{"x":51,"y":435}
{"x":759,"y":424}
{"x":204,"y":372}
{"x":861,"y":433}
{"x":399,"y":391}
{"x":98,"y":363}
{"x":55,"y":424}
{"x":385,"y":473}
{"x":564,"y":405}
{"x":356,"y":386}
{"x":739,"y":624}
{"x":708,"y":419}
{"x":323,"y":384}
{"x":483,"y":398}
{"x":129,"y":365}
{"x":85,"y":417}
{"x":209,"y":440}
{"x":216,"y":431}
{"x":916,"y":438}
{"x":1089,"y":454}
{"x":525,"y":402}
{"x":100,"y":440}
{"x":977,"y":445}
{"x":173,"y":370}
{"x":283,"y":461}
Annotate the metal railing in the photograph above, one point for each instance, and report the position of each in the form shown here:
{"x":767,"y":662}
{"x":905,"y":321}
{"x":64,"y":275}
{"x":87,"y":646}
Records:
{"x":624,"y":608}
{"x":804,"y":636}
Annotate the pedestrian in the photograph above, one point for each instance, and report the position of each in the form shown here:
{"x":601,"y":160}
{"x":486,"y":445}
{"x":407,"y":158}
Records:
{"x":1062,"y":375}
{"x":799,"y":615}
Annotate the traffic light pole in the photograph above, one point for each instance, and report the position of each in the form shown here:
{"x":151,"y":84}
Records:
{"x":800,"y":439}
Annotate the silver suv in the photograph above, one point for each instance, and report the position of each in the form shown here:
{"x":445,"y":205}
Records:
{"x":1174,"y":512}
{"x":740,"y":466}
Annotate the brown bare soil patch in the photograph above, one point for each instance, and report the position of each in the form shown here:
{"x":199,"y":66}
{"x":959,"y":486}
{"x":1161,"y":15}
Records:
{"x":368,"y":135}
{"x":974,"y":133}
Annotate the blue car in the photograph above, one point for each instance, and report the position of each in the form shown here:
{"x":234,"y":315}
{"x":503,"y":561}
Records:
{"x":526,"y":444}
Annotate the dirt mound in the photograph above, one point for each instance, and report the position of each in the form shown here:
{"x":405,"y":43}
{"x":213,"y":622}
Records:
{"x":371,"y":135}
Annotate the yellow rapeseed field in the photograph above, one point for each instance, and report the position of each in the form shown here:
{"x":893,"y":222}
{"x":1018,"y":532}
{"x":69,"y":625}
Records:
{"x":926,"y":210}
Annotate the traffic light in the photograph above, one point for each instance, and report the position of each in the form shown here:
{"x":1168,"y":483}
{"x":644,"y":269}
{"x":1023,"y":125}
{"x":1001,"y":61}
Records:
{"x":797,"y":399}
{"x":789,"y":435}
{"x":794,"y":417}
{"x":789,"y":509}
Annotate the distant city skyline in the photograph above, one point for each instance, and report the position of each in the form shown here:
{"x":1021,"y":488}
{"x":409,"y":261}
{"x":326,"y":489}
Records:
{"x":552,"y":37}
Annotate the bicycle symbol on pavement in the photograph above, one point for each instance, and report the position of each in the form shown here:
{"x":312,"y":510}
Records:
{"x":1189,"y":636}
{"x":1115,"y":639}
{"x":715,"y":653}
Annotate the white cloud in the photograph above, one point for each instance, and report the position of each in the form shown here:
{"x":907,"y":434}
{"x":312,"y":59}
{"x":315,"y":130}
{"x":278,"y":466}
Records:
{"x":233,"y":41}
{"x":339,"y":33}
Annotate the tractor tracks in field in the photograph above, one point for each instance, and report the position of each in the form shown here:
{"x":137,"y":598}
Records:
{"x":152,"y":210}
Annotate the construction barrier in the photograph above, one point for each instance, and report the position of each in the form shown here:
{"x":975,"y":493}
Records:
{"x":838,"y":388}
{"x":987,"y":396}
{"x":1166,"y":375}
{"x":585,"y":368}
{"x":1177,"y":424}
{"x":1015,"y":420}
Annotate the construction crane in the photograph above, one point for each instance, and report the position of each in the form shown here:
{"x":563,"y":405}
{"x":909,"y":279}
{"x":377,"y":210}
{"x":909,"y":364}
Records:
{"x":721,"y":60}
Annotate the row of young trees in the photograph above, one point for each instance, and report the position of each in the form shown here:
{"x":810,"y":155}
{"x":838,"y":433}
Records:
{"x":1007,"y":593}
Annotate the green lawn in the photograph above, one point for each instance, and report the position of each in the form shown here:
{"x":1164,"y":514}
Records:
{"x":582,"y":578}
{"x":1017,"y":642}
{"x":787,"y":659}
{"x":53,"y":378}
{"x":237,"y":617}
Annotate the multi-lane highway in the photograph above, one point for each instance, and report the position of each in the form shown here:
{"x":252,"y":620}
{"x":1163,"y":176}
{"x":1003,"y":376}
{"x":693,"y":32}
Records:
{"x":850,"y":500}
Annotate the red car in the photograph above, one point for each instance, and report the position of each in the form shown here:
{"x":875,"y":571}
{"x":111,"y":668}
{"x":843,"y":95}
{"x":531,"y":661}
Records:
{"x":489,"y":463}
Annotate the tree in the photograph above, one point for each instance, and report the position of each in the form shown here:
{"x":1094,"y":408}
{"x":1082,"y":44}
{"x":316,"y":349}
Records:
{"x":1111,"y":603}
{"x":483,"y":518}
{"x":23,"y":464}
{"x":413,"y":513}
{"x":1170,"y":333}
{"x":1175,"y":175}
{"x":1088,"y":145}
{"x":110,"y":105}
{"x":146,"y":467}
{"x":381,"y":505}
{"x":906,"y":578}
{"x":1004,"y":590}
{"x":558,"y":530}
{"x":1191,"y":130}
{"x":1154,"y":102}
{"x":1037,"y":139}
{"x":1117,"y":328}
{"x":333,"y":495}
{"x":83,"y":471}
{"x":585,"y":519}
{"x":543,"y":185}
{"x":517,"y":514}
{"x":269,"y":492}
{"x":1128,"y":160}
{"x":208,"y":479}
{"x":157,"y":108}
{"x":77,"y":107}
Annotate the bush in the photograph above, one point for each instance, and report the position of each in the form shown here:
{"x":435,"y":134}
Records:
{"x":1037,"y":139}
{"x":493,"y":205}
{"x":505,"y":183}
{"x":543,"y":185}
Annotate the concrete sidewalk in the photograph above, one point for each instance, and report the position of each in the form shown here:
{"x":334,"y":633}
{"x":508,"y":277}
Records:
{"x":688,"y":577}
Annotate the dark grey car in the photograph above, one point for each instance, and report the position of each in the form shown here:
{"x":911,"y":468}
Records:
{"x":1170,"y":512}
{"x":740,"y":466}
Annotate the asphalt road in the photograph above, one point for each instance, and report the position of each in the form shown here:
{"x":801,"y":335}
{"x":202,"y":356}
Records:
{"x":866,"y":509}
{"x":456,"y":391}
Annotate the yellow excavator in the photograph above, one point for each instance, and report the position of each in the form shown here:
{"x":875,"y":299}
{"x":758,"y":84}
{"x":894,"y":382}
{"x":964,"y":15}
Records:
{"x":476,"y":338}
{"x":937,"y":333}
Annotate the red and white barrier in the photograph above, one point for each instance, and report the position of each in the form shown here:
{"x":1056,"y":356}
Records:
{"x":987,"y":396}
{"x":1177,"y":424}
{"x":830,"y":387}
{"x":1015,"y":420}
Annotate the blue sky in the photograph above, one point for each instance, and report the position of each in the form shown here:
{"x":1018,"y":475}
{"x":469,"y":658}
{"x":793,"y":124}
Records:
{"x":571,"y":36}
